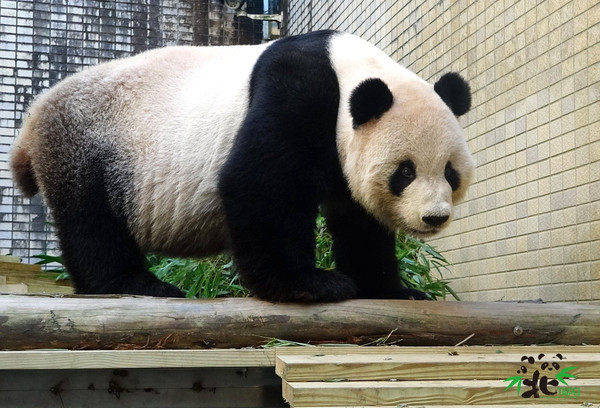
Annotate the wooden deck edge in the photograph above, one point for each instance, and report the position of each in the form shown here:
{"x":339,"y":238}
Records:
{"x":98,"y":359}
{"x":566,"y":405}
{"x":439,"y":392}
{"x":123,"y":359}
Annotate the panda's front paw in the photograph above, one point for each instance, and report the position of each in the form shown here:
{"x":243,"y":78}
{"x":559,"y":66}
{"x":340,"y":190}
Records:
{"x":312,"y":286}
{"x":412,"y":294}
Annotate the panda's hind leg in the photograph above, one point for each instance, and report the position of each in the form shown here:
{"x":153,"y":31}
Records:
{"x":102,"y":258}
{"x":97,"y":248}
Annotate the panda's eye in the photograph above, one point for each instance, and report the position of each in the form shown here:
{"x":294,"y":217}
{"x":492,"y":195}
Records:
{"x":452,"y":177}
{"x":407,"y":172}
{"x":402,"y":177}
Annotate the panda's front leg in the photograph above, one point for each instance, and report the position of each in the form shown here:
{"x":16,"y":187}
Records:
{"x":271,"y":213}
{"x":273,"y":245}
{"x":365,"y":250}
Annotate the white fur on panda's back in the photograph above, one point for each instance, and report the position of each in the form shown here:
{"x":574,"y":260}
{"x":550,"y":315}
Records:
{"x":171,"y":114}
{"x":182,"y":133}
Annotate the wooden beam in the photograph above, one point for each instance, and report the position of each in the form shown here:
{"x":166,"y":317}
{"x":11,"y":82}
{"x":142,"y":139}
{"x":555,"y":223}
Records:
{"x":25,"y":278}
{"x":88,"y":322}
{"x":530,"y":405}
{"x":249,"y":357}
{"x":123,"y":359}
{"x":387,"y":393}
{"x":381,"y":365}
{"x":9,"y":258}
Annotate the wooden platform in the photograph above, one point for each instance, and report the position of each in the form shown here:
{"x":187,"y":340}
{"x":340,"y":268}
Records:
{"x":440,"y":377}
{"x":150,"y":352}
{"x":327,"y":376}
{"x":19,"y":278}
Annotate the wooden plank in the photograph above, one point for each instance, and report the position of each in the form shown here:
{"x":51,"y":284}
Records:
{"x":13,"y":288}
{"x":89,"y":359}
{"x":10,"y":258}
{"x":34,"y":278}
{"x":98,"y":359}
{"x":134,"y":322}
{"x":2,"y":280}
{"x":48,"y":288}
{"x":337,"y":349}
{"x":383,"y":366}
{"x":565,"y":405}
{"x":18,"y":267}
{"x":396,"y":393}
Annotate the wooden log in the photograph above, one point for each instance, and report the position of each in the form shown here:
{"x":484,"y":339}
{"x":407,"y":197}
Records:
{"x":31,"y":322}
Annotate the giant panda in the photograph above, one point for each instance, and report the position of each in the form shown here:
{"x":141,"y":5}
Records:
{"x":190,"y":151}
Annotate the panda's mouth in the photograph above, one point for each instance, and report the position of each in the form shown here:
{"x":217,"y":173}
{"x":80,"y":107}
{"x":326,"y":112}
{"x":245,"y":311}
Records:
{"x":422,"y":233}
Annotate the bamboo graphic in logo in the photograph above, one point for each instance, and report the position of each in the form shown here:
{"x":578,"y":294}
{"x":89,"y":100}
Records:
{"x":544,"y":382}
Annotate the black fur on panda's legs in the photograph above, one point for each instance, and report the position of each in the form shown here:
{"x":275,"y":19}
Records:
{"x":97,"y":249}
{"x":102,"y":258}
{"x":365,"y":250}
{"x":273,"y":244}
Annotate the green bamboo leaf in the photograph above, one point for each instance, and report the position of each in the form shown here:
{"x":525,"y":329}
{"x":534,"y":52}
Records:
{"x":515,"y":380}
{"x":564,"y":373}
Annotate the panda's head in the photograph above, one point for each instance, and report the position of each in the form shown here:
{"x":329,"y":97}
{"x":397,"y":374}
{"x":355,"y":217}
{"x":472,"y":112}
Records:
{"x":406,"y":157}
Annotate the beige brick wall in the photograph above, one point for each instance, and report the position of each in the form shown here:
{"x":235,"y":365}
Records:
{"x":530,"y":226}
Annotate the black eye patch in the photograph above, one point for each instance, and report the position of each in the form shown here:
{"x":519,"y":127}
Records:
{"x":452,"y":177}
{"x":402,"y":177}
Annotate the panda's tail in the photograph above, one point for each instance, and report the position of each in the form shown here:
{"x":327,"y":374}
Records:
{"x":20,"y":161}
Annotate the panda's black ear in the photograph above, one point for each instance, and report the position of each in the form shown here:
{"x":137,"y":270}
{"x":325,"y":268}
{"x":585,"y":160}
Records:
{"x":369,"y":100}
{"x":455,"y":92}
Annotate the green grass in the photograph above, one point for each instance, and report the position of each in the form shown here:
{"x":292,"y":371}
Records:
{"x":199,"y":278}
{"x":420,"y":267}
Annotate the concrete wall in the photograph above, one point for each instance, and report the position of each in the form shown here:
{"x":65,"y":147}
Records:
{"x":530,"y":226}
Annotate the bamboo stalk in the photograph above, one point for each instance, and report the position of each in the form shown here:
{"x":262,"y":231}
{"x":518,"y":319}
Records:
{"x":94,"y":322}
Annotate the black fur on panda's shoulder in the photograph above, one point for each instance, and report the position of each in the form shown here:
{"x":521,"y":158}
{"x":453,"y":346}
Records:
{"x":282,"y":165}
{"x":455,"y":92}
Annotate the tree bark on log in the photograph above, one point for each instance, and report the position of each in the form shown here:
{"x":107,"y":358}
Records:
{"x":94,"y":322}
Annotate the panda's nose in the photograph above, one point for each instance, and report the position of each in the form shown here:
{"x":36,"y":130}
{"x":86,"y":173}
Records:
{"x":435,"y":220}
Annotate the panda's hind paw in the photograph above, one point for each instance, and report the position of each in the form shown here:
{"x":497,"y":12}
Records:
{"x":140,"y":284}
